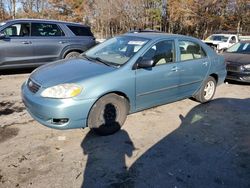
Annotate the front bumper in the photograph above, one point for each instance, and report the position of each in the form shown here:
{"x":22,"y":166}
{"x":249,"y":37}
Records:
{"x":239,"y":76}
{"x":46,"y":110}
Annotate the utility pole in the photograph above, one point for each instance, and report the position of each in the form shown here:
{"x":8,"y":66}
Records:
{"x":164,"y":16}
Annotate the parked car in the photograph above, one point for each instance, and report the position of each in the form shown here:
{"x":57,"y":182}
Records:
{"x":122,"y":75}
{"x":31,"y":42}
{"x":237,"y":60}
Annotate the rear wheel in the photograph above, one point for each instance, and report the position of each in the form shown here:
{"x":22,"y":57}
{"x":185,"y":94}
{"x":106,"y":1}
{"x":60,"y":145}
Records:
{"x":207,"y":91}
{"x":108,"y":114}
{"x":72,"y":55}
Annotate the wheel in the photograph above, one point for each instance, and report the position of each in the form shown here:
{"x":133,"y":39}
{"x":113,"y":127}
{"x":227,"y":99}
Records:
{"x":71,"y":55}
{"x":207,"y":90}
{"x":108,"y":114}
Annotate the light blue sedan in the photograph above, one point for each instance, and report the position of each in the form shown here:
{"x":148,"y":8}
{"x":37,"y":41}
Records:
{"x":122,"y":75}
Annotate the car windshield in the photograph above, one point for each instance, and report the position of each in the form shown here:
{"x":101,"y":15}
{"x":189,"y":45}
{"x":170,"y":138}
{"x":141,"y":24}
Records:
{"x":218,"y":38}
{"x":116,"y":51}
{"x":241,"y":47}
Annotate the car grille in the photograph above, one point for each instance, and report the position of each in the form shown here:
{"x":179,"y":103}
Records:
{"x":233,"y":67}
{"x":33,"y":87}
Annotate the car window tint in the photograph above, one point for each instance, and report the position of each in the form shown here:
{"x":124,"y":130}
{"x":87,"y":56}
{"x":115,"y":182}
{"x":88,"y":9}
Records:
{"x":18,"y":30}
{"x":45,"y":29}
{"x":190,"y":50}
{"x":80,"y":31}
{"x":162,"y":52}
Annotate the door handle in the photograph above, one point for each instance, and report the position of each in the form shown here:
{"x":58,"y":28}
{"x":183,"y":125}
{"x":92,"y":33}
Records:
{"x":62,"y":42}
{"x":205,"y":63}
{"x":26,"y":42}
{"x":175,"y":69}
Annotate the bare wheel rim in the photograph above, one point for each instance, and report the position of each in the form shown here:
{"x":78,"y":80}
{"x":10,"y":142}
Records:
{"x":209,"y":90}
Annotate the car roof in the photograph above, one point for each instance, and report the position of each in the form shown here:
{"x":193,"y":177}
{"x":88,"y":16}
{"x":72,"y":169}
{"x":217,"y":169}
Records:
{"x":47,"y":20}
{"x":157,"y":35}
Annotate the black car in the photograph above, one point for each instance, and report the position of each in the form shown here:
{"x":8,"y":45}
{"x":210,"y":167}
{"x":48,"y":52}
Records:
{"x":237,"y":59}
{"x":33,"y":42}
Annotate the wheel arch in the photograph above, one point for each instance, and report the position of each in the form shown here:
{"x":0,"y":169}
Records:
{"x":215,"y":76}
{"x":122,"y":94}
{"x":71,"y":50}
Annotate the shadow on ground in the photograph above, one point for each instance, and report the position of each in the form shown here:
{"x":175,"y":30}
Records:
{"x":210,"y":149}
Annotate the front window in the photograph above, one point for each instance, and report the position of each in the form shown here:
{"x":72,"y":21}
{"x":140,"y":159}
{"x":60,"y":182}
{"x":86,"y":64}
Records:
{"x":241,"y":47}
{"x":221,"y":38}
{"x":116,"y":51}
{"x":18,"y":30}
{"x":161,"y":53}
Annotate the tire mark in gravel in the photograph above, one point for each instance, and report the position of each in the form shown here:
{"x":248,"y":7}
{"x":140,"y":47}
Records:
{"x":8,"y":133}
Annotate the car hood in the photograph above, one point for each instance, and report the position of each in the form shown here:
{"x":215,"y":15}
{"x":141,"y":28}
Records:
{"x":237,"y":58}
{"x":68,"y":71}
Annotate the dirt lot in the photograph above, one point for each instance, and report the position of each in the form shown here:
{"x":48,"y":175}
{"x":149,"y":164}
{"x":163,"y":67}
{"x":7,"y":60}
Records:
{"x":183,"y":144}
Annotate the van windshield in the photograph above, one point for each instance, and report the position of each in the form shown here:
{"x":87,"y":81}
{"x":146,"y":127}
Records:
{"x":222,"y":38}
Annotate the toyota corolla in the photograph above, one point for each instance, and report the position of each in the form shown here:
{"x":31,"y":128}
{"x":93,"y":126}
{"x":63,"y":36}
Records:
{"x":120,"y":76}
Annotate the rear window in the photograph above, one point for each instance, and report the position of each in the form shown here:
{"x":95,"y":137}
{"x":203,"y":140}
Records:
{"x":80,"y":31}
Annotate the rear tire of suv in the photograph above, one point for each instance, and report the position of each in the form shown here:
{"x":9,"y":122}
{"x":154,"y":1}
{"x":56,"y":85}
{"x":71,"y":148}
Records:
{"x":72,"y":55}
{"x":108,"y":114}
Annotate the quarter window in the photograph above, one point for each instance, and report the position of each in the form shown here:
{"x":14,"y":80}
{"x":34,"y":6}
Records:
{"x":190,"y":50}
{"x":161,"y":53}
{"x":18,"y":30}
{"x":45,"y":29}
{"x":80,"y":31}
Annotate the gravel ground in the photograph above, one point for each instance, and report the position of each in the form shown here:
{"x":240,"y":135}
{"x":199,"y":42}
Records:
{"x":182,"y":144}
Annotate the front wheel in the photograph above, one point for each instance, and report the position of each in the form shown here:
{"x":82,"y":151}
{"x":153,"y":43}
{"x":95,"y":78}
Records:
{"x":108,"y":114}
{"x":207,"y":90}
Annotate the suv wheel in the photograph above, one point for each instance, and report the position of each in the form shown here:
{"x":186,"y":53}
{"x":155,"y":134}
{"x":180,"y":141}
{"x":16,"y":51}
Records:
{"x":72,"y":55}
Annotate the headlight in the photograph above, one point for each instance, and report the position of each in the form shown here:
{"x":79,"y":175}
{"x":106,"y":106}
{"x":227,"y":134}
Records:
{"x":62,"y":91}
{"x":247,"y":66}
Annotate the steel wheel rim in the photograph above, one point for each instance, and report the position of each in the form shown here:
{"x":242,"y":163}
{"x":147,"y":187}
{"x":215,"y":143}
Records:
{"x":209,"y":90}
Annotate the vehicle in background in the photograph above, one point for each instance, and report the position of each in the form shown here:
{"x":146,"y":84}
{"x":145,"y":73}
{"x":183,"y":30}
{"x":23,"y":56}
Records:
{"x":221,"y":42}
{"x":122,"y":75}
{"x":237,"y":60}
{"x":33,"y":42}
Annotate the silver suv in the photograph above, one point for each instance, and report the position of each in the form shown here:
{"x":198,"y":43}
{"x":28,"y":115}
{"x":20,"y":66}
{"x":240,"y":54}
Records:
{"x":31,"y":42}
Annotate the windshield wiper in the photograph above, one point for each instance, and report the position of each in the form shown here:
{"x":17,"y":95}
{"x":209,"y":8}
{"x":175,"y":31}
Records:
{"x":100,"y":60}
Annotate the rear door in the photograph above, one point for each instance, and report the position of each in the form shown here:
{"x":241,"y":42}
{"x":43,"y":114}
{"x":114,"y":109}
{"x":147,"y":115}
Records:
{"x":48,"y":41}
{"x":193,"y":67}
{"x":158,"y":84}
{"x":16,"y":48}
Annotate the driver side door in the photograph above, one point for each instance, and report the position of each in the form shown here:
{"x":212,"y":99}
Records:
{"x":158,"y":84}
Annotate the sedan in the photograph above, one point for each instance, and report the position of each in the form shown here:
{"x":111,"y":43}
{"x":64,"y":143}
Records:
{"x":237,"y":59}
{"x":120,"y":76}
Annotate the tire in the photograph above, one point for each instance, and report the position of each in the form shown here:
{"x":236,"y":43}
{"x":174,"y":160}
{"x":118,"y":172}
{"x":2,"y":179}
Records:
{"x":108,"y":114}
{"x":72,"y":55}
{"x":207,"y":90}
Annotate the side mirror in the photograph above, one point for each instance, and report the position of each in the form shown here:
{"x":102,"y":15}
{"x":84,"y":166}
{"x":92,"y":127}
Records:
{"x":2,"y":35}
{"x":146,"y":63}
